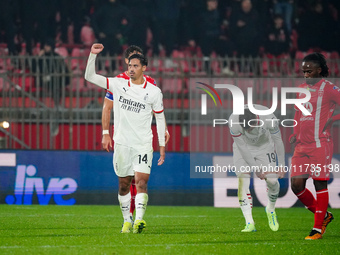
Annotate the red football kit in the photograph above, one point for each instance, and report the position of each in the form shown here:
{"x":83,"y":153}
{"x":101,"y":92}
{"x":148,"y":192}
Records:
{"x":314,"y":148}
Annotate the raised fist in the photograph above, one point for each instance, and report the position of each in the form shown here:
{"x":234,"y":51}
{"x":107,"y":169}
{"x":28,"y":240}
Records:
{"x":97,"y":48}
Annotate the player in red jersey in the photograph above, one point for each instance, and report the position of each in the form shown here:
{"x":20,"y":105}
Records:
{"x":106,"y":116}
{"x":314,"y":145}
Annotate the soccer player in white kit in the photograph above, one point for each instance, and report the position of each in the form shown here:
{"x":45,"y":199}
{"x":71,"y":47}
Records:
{"x":135,"y":101}
{"x":257,"y":147}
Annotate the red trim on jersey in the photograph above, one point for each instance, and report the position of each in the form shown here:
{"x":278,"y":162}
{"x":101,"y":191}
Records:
{"x":159,"y":111}
{"x":125,"y":76}
{"x":144,"y":86}
{"x":107,"y":83}
{"x":236,"y":135}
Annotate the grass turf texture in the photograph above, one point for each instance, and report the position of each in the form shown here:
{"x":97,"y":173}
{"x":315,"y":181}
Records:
{"x":170,"y":230}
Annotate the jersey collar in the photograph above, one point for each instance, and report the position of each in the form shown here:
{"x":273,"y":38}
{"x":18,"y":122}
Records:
{"x":144,"y":86}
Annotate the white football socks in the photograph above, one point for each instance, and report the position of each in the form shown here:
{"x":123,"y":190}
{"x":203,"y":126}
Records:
{"x":141,"y":201}
{"x":244,"y":197}
{"x":273,"y":186}
{"x":124,"y":202}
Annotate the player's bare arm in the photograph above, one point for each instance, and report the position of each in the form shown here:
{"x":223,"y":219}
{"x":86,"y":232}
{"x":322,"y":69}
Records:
{"x":162,"y":155}
{"x":106,"y":116}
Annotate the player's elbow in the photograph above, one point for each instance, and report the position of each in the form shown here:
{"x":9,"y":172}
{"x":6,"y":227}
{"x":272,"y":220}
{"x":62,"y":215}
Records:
{"x":87,"y":76}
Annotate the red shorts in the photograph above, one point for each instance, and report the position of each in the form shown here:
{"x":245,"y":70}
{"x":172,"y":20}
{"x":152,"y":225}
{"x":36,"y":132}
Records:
{"x":312,"y":161}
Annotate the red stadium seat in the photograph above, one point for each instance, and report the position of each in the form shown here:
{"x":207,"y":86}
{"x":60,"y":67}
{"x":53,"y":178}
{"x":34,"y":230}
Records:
{"x":171,"y":85}
{"x":334,"y":63}
{"x":299,"y":55}
{"x":79,"y":58}
{"x":275,"y":65}
{"x":62,"y":51}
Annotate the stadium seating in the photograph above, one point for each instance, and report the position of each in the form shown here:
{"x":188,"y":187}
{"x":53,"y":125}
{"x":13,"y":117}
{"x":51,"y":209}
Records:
{"x":87,"y":35}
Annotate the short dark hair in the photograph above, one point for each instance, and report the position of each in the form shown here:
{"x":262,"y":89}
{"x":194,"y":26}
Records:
{"x":50,"y":42}
{"x":143,"y":60}
{"x":248,"y":115}
{"x":320,"y":60}
{"x":132,"y":49}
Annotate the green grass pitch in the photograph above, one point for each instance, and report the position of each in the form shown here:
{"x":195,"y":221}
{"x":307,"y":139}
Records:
{"x":170,"y":230}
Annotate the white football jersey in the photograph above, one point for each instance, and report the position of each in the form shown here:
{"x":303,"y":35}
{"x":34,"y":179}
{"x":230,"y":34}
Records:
{"x":266,"y":135}
{"x":259,"y":136}
{"x":133,"y":111}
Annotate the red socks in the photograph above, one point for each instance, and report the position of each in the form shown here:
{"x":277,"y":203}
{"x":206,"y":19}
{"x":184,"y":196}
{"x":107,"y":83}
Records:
{"x":133,"y":192}
{"x":321,"y":208}
{"x":307,"y":198}
{"x":318,"y":207}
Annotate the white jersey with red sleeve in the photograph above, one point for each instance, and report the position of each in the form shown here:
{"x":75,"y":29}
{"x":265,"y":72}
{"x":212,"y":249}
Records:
{"x":133,"y":111}
{"x":324,"y":97}
{"x":126,"y":77}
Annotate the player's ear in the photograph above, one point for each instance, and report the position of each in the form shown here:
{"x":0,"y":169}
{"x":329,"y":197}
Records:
{"x":144,"y":68}
{"x":319,"y":70}
{"x":127,"y":61}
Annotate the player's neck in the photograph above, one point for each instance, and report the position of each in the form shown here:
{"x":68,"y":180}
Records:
{"x":313,"y":81}
{"x":139,"y":81}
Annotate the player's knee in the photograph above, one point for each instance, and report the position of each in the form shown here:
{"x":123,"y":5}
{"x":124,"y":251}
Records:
{"x":296,"y":187}
{"x":124,"y":188}
{"x":271,"y":181}
{"x":141,"y":186}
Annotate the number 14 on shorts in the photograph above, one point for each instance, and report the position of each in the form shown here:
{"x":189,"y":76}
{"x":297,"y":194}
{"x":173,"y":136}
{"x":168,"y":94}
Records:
{"x":143,"y":158}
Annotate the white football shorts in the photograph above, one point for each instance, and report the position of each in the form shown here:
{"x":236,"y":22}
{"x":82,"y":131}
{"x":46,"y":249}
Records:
{"x":264,"y":156}
{"x":128,"y":160}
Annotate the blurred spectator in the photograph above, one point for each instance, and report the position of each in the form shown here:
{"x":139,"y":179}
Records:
{"x":53,"y":77}
{"x":69,"y":16}
{"x":167,"y":14}
{"x":316,"y":29}
{"x":211,"y":37}
{"x":285,"y":9}
{"x":87,"y":36}
{"x":264,"y":9}
{"x":244,"y":27}
{"x":188,"y":31}
{"x":277,"y":39}
{"x":38,"y":19}
{"x":143,"y":18}
{"x":7,"y":17}
{"x":111,"y":23}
